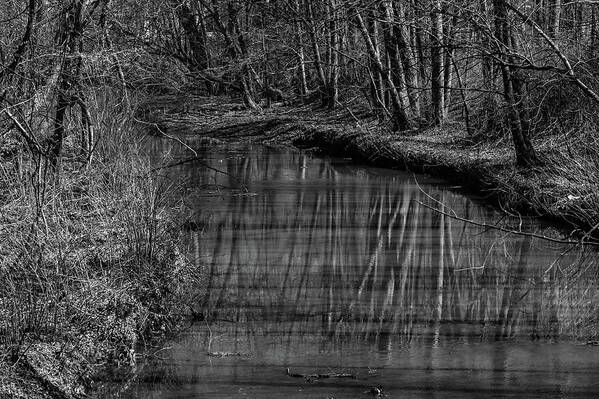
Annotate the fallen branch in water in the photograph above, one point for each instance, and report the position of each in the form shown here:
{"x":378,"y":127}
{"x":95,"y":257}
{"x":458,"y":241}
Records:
{"x":227,"y":354}
{"x":199,"y":160}
{"x":163,"y":133}
{"x":506,"y":230}
{"x":312,"y":377}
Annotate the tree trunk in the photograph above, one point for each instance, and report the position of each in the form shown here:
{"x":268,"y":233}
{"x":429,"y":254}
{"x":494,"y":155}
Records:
{"x":437,"y":97}
{"x":447,"y":61}
{"x":316,"y":50}
{"x":408,"y":61}
{"x":239,"y":51}
{"x":402,"y":119}
{"x":196,"y":40}
{"x":462,"y":88}
{"x":303,"y":82}
{"x":489,"y":103}
{"x":593,"y":31}
{"x":514,"y":88}
{"x":70,"y":39}
{"x":104,"y":26}
{"x":555,"y":22}
{"x":377,"y":83}
{"x":334,"y":48}
{"x":392,"y":50}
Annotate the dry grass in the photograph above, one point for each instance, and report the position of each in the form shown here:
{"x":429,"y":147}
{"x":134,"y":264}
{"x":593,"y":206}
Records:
{"x":87,"y":264}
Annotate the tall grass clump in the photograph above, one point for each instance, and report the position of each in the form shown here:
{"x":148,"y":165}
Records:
{"x":565,"y":184}
{"x":89,"y":259}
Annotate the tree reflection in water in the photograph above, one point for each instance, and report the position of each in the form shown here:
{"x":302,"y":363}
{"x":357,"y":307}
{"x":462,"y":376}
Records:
{"x":314,"y":263}
{"x":355,"y":252}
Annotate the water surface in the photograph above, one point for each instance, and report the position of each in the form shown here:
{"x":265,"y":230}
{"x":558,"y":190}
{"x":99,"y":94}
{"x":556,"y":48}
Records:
{"x":322,"y":266}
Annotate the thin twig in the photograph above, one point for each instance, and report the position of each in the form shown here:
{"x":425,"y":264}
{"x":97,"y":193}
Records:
{"x":162,"y":132}
{"x":198,"y":159}
{"x":517,"y":232}
{"x":564,"y":253}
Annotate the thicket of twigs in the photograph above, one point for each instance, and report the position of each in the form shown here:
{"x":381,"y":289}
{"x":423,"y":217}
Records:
{"x":515,"y":77}
{"x":90,"y":261}
{"x":88,"y":247}
{"x":90,"y":257}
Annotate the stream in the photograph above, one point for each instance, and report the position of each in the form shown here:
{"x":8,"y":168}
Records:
{"x":327,"y":279}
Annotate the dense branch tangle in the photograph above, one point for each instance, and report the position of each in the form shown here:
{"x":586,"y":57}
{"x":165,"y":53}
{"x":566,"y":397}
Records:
{"x":406,"y":58}
{"x":496,"y":67}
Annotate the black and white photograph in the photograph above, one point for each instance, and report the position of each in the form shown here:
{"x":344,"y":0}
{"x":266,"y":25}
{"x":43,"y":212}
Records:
{"x":299,"y":199}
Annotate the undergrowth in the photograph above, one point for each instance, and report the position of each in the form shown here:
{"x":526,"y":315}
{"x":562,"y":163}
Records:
{"x":89,"y":262}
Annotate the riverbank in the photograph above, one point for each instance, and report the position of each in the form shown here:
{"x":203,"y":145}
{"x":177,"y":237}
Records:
{"x":90,"y":264}
{"x":322,"y":266}
{"x":564,"y":189}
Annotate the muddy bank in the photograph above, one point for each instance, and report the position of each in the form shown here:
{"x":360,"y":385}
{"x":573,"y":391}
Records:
{"x":564,"y":189}
{"x":102,"y":325}
{"x":63,"y":364}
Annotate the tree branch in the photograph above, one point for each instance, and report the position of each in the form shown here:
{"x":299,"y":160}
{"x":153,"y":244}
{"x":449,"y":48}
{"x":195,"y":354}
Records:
{"x":506,"y":230}
{"x":569,"y":70}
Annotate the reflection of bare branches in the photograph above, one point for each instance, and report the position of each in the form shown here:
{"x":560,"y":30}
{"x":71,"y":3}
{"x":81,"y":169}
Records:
{"x":375,"y":254}
{"x":564,"y":253}
{"x":506,"y":230}
{"x":484,"y":261}
{"x":295,"y":257}
{"x":199,"y":160}
{"x":163,"y":133}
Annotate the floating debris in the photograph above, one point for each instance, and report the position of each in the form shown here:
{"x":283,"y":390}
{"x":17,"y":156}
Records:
{"x":315,"y":376}
{"x":377,"y":392}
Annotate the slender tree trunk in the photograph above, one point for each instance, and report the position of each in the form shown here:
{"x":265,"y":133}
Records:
{"x":593,"y":31}
{"x":303,"y":82}
{"x":555,"y":21}
{"x":377,"y":83}
{"x":465,"y":107}
{"x":70,"y":39}
{"x":420,"y":45}
{"x":392,"y":50}
{"x":447,"y":61}
{"x":334,"y":46}
{"x":437,"y":97}
{"x":197,"y":43}
{"x":489,"y":105}
{"x":316,"y":51}
{"x":408,"y":61}
{"x":265,"y":68}
{"x":240,"y":53}
{"x":514,"y":89}
{"x":402,"y":119}
{"x":104,"y":26}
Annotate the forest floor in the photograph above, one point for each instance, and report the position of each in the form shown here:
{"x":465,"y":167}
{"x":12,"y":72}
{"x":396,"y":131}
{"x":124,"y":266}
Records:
{"x":565,"y":188}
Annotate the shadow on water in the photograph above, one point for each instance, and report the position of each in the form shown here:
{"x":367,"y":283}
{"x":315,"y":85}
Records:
{"x":325,"y":267}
